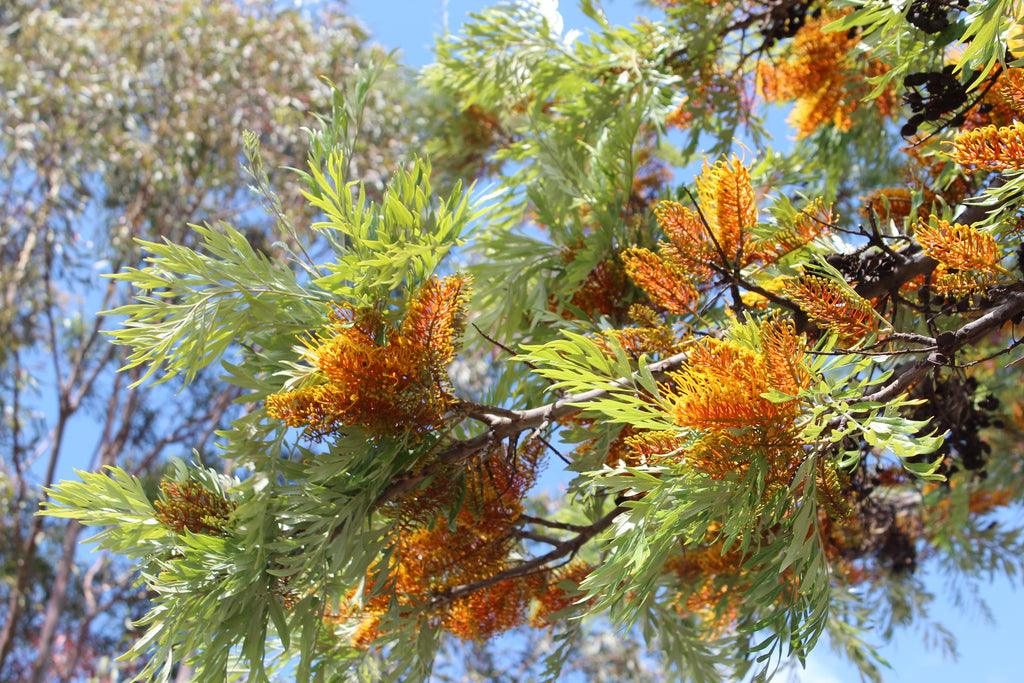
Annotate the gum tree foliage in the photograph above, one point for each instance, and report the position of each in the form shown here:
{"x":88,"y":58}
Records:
{"x":121,"y":122}
{"x":774,"y":383}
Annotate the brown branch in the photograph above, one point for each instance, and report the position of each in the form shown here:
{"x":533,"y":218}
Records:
{"x":534,"y":536}
{"x":530,"y":519}
{"x":970,"y":333}
{"x":504,"y":423}
{"x":568,"y":547}
{"x":55,"y":605}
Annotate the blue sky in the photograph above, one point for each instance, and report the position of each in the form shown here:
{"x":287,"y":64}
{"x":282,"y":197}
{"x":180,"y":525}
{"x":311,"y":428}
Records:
{"x":988,"y":651}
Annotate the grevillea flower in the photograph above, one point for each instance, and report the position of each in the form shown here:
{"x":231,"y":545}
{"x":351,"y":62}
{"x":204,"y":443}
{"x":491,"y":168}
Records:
{"x":713,"y":582}
{"x":603,"y":292}
{"x":1011,"y":88}
{"x":721,"y":388}
{"x":435,"y":551}
{"x":720,"y":236}
{"x":783,"y":352}
{"x":991,"y":148}
{"x":729,"y":205}
{"x":889,"y":204}
{"x":667,"y":285}
{"x":960,"y":283}
{"x":653,"y":446}
{"x":689,"y":246}
{"x":958,"y":246}
{"x":559,"y":591}
{"x":637,"y":341}
{"x":377,"y":376}
{"x":651,"y":336}
{"x":731,"y":421}
{"x":830,"y":490}
{"x":191,"y":506}
{"x":832,"y":307}
{"x":720,"y":233}
{"x":492,"y":610}
{"x":825,"y":77}
{"x":815,"y":220}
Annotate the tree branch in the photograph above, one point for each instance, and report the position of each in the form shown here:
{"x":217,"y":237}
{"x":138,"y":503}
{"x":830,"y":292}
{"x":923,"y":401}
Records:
{"x":504,"y":423}
{"x":965,"y":336}
{"x":568,"y":547}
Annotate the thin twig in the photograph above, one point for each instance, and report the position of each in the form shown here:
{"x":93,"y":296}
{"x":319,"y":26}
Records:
{"x":565,"y":548}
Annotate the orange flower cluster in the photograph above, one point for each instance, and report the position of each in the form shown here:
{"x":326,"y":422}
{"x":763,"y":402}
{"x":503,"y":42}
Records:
{"x":824,"y":78}
{"x":712,"y":584}
{"x":190,"y":506}
{"x":434,"y":554}
{"x":651,"y":336}
{"x":1001,"y":104}
{"x":637,"y":341}
{"x":378,"y":376}
{"x":832,"y":307}
{"x":668,"y":285}
{"x":815,"y":220}
{"x":719,"y":235}
{"x":559,"y":591}
{"x":968,"y":258}
{"x":718,"y":397}
{"x":890,"y":204}
{"x":603,"y":292}
{"x":924,"y":174}
{"x":959,"y":246}
{"x":832,"y":489}
{"x":991,"y":148}
{"x":1011,"y":88}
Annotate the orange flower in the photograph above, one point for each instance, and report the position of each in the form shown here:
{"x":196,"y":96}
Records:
{"x":783,"y":353}
{"x":960,"y":283}
{"x":959,"y":246}
{"x":688,"y":246}
{"x":721,"y":388}
{"x":1012,"y":88}
{"x":824,"y":79}
{"x":653,"y":338}
{"x":553,"y":595}
{"x":719,"y":398}
{"x":813,"y":221}
{"x":832,"y":307}
{"x":729,"y":205}
{"x":191,"y":506}
{"x":991,"y":148}
{"x":713,"y":584}
{"x":490,"y":611}
{"x":889,"y":204}
{"x":377,"y":376}
{"x":603,"y":292}
{"x":667,"y":285}
{"x":435,"y":551}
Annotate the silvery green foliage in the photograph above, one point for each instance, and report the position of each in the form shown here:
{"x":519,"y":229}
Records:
{"x":575,"y":124}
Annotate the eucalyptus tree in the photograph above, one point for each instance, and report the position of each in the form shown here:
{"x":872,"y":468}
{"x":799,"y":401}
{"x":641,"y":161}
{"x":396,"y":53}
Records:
{"x":122,"y":122}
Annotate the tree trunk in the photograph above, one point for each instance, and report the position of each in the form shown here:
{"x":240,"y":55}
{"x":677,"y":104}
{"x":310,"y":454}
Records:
{"x":56,"y":604}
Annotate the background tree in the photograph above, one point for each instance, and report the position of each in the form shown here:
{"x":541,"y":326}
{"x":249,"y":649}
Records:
{"x":121,"y":123}
{"x":775,"y":389}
